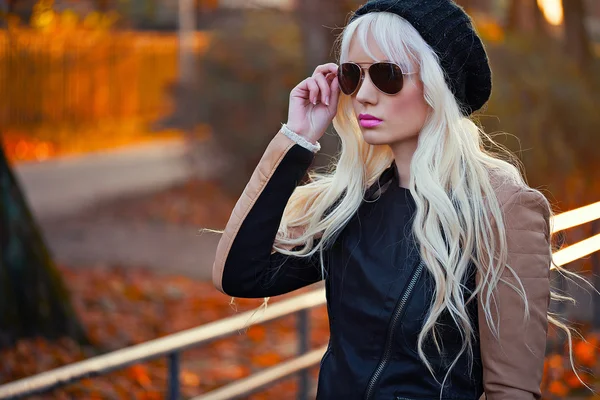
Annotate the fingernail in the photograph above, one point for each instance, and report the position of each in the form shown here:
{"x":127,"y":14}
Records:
{"x":315,"y":102}
{"x":327,"y":100}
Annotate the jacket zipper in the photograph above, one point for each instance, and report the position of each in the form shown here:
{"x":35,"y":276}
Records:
{"x":391,"y":331}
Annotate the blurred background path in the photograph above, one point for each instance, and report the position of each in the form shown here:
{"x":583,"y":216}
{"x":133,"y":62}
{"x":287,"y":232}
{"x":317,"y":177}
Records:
{"x":65,"y":185}
{"x":94,"y":209}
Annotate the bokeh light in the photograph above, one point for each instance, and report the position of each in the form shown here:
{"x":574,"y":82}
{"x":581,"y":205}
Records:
{"x":552,"y":10}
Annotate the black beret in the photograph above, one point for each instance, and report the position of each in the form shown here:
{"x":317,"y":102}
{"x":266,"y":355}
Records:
{"x":449,"y":31}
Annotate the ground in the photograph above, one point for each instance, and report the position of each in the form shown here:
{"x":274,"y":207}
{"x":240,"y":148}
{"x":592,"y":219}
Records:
{"x":122,"y":303}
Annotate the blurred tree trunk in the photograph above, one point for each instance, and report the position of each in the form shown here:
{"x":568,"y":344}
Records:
{"x":577,"y":41}
{"x":475,"y":5}
{"x":525,"y":16}
{"x":466,"y":4}
{"x":102,"y":5}
{"x":541,"y":25}
{"x":4,"y":7}
{"x":34,"y":300}
{"x":186,"y":27}
{"x":522,"y":15}
{"x":319,"y":21}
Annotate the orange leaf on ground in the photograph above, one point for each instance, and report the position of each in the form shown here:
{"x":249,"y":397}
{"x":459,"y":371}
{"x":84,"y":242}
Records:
{"x":232,"y":372}
{"x":586,"y":352}
{"x":573,"y":381}
{"x":188,"y":378}
{"x":555,"y":361}
{"x":257,"y":333}
{"x":140,"y":374}
{"x":558,"y":388}
{"x":151,"y":395}
{"x":266,"y":359}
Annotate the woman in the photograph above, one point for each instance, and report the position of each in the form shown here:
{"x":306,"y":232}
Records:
{"x":435,"y":253}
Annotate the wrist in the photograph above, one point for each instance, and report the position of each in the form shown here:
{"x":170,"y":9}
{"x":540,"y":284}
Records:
{"x":304,"y":133}
{"x":300,"y":140}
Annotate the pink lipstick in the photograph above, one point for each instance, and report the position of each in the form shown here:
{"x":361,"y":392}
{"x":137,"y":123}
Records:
{"x":368,"y":121}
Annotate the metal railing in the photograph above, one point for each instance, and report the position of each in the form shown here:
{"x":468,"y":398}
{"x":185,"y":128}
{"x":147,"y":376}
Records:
{"x":171,"y":346}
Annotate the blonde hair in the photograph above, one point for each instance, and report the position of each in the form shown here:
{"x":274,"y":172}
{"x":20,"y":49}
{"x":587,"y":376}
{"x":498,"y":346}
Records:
{"x":450,"y":181}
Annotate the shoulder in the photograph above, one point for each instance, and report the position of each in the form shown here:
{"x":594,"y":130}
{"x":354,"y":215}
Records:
{"x":522,"y":207}
{"x":511,"y":193}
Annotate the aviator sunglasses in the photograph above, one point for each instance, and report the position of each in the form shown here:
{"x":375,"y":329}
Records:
{"x":386,"y":76}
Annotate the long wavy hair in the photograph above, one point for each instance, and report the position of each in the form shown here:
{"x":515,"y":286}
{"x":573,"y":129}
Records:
{"x":458,"y":220}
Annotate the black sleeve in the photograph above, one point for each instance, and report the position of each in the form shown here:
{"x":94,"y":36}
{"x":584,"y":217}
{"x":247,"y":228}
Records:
{"x":251,"y":270}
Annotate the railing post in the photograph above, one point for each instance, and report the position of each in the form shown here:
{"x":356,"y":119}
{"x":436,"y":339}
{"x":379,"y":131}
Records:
{"x":596,"y":281}
{"x":558,"y":306}
{"x":303,"y":346}
{"x":173,"y":380}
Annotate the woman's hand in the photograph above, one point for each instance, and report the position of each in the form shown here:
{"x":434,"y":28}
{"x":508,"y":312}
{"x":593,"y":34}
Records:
{"x":313,"y":103}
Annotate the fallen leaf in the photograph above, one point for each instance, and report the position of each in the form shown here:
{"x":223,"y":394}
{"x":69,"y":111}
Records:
{"x":188,"y":378}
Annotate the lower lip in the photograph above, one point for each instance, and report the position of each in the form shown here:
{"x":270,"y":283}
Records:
{"x":370,"y":123}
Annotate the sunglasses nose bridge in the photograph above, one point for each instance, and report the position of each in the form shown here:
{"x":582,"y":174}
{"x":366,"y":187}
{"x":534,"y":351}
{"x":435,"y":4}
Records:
{"x":363,"y":76}
{"x":361,"y":80}
{"x":360,"y":89}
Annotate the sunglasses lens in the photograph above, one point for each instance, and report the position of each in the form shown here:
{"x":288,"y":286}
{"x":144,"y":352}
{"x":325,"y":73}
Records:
{"x":348,"y":77}
{"x":387,"y":77}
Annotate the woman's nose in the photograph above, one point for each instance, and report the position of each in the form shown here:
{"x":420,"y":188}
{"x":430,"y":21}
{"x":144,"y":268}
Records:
{"x":367,"y":92}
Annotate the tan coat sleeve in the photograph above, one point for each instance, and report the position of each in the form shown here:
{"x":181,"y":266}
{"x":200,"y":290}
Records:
{"x":513,"y":366}
{"x":245,"y":263}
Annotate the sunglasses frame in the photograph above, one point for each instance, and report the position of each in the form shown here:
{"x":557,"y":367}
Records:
{"x":365,"y":70}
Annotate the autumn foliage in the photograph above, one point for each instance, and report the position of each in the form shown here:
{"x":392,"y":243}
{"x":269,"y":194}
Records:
{"x":559,"y":379}
{"x":121,"y":307}
{"x":68,"y":89}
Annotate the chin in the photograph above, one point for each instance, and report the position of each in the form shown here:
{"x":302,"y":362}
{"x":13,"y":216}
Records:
{"x":372,"y":137}
{"x":380,"y":137}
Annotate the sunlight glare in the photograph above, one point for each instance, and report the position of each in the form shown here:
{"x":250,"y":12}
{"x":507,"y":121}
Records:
{"x":552,"y":10}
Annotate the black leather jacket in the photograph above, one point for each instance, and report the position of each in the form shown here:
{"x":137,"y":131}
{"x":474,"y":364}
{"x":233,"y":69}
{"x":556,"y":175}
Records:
{"x":378,"y":294}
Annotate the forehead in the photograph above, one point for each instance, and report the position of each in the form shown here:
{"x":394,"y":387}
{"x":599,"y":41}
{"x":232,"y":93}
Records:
{"x":364,"y":48}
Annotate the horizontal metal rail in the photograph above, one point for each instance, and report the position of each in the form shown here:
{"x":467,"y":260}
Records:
{"x":158,"y":347}
{"x":578,"y":216}
{"x":570,"y":219}
{"x":262,"y":379}
{"x":577,"y":250}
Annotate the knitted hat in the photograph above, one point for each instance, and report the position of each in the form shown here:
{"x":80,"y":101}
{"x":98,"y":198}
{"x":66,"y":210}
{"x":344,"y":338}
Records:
{"x":449,"y":31}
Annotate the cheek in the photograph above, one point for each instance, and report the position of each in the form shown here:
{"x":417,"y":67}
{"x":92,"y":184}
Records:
{"x":409,"y":107}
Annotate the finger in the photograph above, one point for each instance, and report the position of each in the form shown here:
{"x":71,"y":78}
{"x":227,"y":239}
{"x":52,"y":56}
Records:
{"x":326,"y":68}
{"x":324,"y":88}
{"x":330,"y":77}
{"x":335,"y":93}
{"x":313,"y":89}
{"x":301,"y":90}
